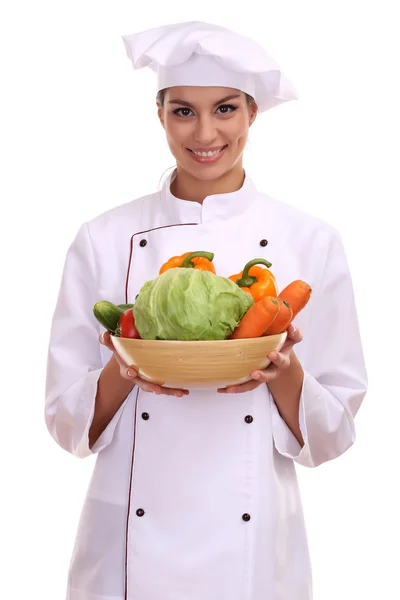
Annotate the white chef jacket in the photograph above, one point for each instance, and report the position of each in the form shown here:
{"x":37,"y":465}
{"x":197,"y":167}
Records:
{"x":197,"y":497}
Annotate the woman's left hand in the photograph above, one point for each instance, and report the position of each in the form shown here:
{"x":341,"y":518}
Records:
{"x":280,"y":361}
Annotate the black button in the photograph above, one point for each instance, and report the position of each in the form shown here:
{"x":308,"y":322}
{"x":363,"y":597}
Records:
{"x":140,"y":512}
{"x":263,"y":242}
{"x":143,"y":243}
{"x":145,"y":416}
{"x":246,"y":517}
{"x":249,"y":419}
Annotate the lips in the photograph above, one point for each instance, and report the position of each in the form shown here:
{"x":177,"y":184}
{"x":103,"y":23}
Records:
{"x":207,"y":152}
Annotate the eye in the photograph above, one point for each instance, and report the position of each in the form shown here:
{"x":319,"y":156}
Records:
{"x":182,"y":112}
{"x":226,"y":109}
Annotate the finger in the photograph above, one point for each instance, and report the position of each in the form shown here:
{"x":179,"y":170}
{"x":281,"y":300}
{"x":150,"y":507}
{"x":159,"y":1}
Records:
{"x":153,"y":388}
{"x":178,"y":393}
{"x":266,"y":376}
{"x":159,"y":390}
{"x":148,"y":387}
{"x":248,"y":386}
{"x":129,"y":373}
{"x":280,"y":360}
{"x":126,"y":372}
{"x":105,"y":339}
{"x":294,"y":334}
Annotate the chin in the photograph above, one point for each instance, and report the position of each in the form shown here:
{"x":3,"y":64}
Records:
{"x":207,"y":173}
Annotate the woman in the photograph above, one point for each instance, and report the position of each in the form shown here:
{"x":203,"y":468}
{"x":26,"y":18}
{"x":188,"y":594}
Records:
{"x":194,"y":493}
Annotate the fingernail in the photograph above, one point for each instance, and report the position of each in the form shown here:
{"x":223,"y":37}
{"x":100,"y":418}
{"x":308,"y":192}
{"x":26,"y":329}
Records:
{"x":102,"y":338}
{"x":130,"y":373}
{"x":256,"y":376}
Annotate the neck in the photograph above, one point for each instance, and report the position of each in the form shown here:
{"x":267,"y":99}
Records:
{"x":187,"y":187}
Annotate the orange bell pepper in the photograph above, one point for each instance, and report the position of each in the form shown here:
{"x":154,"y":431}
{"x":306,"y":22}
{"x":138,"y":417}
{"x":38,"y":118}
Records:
{"x":201,"y":261}
{"x":257,"y":281}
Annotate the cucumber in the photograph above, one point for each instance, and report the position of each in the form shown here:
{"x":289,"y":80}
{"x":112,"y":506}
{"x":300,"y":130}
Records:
{"x":125,"y":307}
{"x":108,"y":314}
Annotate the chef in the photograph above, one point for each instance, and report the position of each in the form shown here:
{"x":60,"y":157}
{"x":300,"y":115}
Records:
{"x":194,"y":494}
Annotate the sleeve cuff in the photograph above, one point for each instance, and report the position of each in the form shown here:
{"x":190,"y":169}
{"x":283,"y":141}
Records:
{"x":86,"y":412}
{"x":326,"y":424}
{"x":284,"y":440}
{"x":106,"y":437}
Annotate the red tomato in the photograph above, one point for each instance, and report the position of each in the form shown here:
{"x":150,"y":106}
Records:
{"x":127,"y":325}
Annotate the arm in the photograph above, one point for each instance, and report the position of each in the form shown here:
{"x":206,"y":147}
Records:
{"x":334,"y":380}
{"x":75,"y":378}
{"x":286,"y":393}
{"x":112,"y":391}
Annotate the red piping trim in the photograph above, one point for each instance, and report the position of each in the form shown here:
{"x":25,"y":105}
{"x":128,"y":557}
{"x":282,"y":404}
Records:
{"x":129,"y":499}
{"x":128,"y":271}
{"x":131,"y":250}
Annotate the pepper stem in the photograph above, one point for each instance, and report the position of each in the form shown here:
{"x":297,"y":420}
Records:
{"x":247,"y":280}
{"x":188,"y":264}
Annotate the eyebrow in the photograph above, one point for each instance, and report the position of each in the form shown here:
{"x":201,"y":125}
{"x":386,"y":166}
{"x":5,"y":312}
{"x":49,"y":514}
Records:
{"x":184,"y":103}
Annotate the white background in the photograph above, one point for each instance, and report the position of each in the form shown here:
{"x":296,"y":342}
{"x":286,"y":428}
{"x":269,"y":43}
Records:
{"x":79,"y":135}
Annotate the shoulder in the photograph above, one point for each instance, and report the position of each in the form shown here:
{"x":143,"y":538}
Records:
{"x":122,"y":219}
{"x":288,"y":212}
{"x":298,"y":223}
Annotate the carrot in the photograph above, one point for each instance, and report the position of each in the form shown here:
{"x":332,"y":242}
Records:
{"x":297,"y":294}
{"x":257,"y":319}
{"x":282,"y":319}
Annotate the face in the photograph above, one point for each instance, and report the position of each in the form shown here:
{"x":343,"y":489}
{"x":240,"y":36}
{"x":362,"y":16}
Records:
{"x":206,"y":128}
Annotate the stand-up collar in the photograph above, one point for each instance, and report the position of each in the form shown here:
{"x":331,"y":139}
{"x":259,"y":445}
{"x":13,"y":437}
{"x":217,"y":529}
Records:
{"x":215,"y":207}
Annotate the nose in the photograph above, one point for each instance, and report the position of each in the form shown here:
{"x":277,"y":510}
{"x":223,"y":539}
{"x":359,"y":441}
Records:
{"x":205,"y":130}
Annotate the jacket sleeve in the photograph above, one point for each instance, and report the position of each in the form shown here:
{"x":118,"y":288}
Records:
{"x":74,"y":361}
{"x":335,"y":379}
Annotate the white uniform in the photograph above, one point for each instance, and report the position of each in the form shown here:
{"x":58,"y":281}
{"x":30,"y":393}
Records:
{"x":176,"y":479}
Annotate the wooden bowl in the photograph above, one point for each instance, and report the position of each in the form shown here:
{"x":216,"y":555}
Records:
{"x":205,"y":364}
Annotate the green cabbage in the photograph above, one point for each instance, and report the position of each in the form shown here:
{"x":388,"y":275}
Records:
{"x":188,"y":304}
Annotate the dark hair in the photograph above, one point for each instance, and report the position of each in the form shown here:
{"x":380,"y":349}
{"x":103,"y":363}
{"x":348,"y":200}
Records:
{"x":161,"y":97}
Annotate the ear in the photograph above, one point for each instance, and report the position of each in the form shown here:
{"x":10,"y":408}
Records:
{"x":160,"y":113}
{"x":253,"y":113}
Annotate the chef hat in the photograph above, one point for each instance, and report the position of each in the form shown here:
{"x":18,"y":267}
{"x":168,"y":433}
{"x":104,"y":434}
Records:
{"x":200,"y":54}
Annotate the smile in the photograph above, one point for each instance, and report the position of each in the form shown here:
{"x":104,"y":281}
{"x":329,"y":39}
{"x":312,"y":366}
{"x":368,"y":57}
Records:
{"x":209,"y":152}
{"x":206,"y":156}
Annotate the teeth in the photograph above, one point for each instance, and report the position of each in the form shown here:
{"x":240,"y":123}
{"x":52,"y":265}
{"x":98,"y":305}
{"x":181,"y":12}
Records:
{"x":207,"y":154}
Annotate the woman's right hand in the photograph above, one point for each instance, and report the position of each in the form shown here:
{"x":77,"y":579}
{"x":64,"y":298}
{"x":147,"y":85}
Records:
{"x":130,"y":374}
